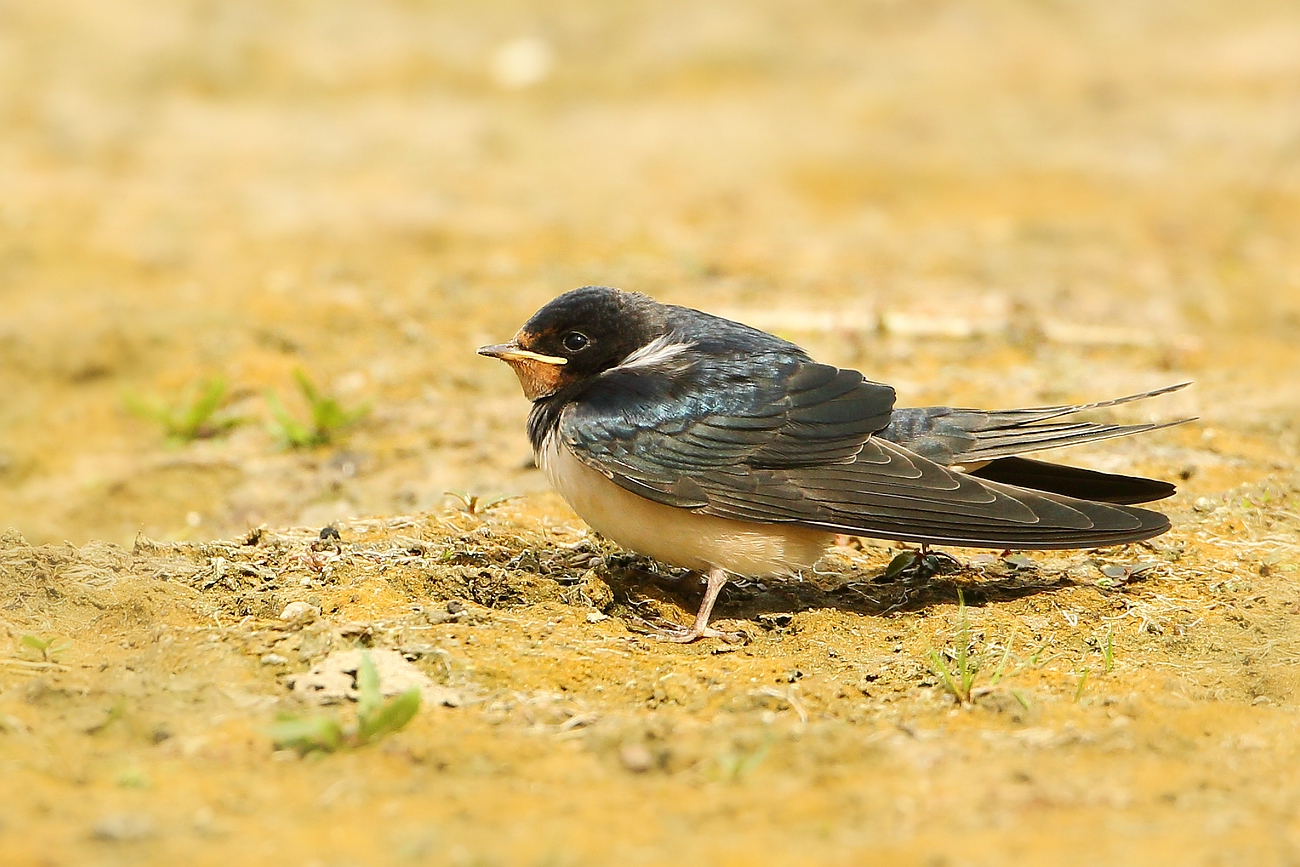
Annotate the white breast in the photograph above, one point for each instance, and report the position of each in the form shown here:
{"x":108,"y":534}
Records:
{"x":679,"y":537}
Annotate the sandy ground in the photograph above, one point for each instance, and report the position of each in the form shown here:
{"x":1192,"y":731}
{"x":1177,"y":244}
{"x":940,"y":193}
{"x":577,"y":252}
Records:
{"x":994,"y":204}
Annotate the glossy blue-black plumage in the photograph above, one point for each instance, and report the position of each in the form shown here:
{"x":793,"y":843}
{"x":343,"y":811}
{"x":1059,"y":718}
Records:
{"x":740,"y":424}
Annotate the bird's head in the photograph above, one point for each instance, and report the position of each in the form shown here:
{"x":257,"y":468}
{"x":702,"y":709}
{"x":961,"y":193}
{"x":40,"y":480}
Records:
{"x":580,"y":335}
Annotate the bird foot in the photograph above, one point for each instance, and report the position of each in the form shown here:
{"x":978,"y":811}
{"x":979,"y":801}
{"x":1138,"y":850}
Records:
{"x":687,"y":635}
{"x":666,"y":630}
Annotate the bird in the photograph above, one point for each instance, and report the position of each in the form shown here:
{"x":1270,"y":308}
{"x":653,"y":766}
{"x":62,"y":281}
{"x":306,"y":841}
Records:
{"x":709,"y":445}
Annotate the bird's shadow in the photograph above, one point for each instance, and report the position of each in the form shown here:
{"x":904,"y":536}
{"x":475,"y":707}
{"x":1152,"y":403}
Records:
{"x":639,"y":589}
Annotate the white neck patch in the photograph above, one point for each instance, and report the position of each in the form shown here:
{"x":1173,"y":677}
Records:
{"x":662,"y":353}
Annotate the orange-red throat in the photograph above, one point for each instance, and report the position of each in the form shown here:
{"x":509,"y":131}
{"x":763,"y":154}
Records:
{"x":539,"y":375}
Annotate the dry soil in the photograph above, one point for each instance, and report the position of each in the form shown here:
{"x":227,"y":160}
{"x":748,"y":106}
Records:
{"x":992,"y":204}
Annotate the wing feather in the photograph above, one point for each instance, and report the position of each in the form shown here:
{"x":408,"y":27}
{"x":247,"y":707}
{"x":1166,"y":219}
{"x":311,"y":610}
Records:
{"x":971,"y":436}
{"x":804,"y":451}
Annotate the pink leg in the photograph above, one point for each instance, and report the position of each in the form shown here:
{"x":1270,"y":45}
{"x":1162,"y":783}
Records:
{"x":701,"y":628}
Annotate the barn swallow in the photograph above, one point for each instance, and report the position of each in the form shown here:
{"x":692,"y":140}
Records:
{"x":713,"y":446}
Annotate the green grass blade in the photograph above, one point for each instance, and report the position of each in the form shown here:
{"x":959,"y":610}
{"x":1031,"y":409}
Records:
{"x":369,"y":697}
{"x":306,"y":386}
{"x":306,"y":734}
{"x":1002,"y":663}
{"x":965,"y":665}
{"x":147,"y":410}
{"x":294,"y":433}
{"x":940,"y":669}
{"x":193,"y":420}
{"x":391,"y":717}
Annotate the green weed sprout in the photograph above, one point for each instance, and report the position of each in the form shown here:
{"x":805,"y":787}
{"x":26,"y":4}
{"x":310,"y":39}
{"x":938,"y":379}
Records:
{"x":307,"y":734}
{"x":961,"y":679}
{"x":735,"y":765}
{"x":376,"y":718}
{"x":196,"y":416}
{"x":1083,"y":680}
{"x":328,"y":416}
{"x":959,"y":676}
{"x":47,"y":647}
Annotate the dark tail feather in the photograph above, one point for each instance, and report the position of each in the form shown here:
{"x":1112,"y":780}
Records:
{"x":1074,"y":481}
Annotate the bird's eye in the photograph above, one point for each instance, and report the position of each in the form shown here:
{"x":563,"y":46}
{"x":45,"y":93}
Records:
{"x":573,"y":341}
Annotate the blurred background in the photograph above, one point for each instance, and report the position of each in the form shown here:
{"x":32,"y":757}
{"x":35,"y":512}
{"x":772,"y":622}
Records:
{"x":218,"y":218}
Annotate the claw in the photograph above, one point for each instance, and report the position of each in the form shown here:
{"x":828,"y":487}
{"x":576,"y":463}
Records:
{"x":687,"y":635}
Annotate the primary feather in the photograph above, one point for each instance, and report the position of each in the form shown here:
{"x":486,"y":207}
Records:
{"x":971,"y":436}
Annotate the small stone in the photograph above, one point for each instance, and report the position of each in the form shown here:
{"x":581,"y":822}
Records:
{"x":636,"y":758}
{"x":204,"y":821}
{"x":436,"y":616}
{"x":596,"y":617}
{"x":123,"y":827}
{"x":522,"y":62}
{"x":355,"y":629}
{"x":334,"y":679}
{"x":274,"y":659}
{"x":598,"y":593}
{"x":1204,"y":504}
{"x":299,"y":613}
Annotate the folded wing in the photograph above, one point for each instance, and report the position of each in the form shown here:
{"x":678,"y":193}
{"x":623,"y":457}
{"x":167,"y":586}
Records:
{"x":800,"y":448}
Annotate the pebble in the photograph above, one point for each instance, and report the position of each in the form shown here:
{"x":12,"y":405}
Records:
{"x":596,"y":590}
{"x":636,"y":758}
{"x":204,"y":821}
{"x":274,"y":659}
{"x":522,"y":62}
{"x":1204,"y":504}
{"x":299,"y":612}
{"x":123,"y":827}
